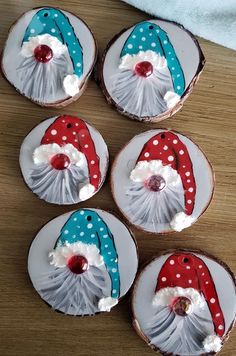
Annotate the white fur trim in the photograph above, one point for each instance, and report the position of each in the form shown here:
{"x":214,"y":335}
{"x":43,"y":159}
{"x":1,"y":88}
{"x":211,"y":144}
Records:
{"x":129,"y":61}
{"x":61,"y":254}
{"x":165,"y":296}
{"x":171,"y":99}
{"x":44,"y":153}
{"x":144,"y":170}
{"x":212,"y":343}
{"x":105,"y":304}
{"x":86,"y":191}
{"x":181,"y":221}
{"x":56,"y":46}
{"x":71,"y":84}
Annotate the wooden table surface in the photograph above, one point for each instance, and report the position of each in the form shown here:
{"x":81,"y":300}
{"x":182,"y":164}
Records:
{"x":27,"y":326}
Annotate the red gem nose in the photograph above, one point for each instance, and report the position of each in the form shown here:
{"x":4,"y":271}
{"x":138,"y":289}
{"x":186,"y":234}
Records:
{"x":181,"y":306}
{"x":155,"y":183}
{"x":144,"y":69}
{"x":43,"y":53}
{"x":78,"y":264}
{"x":60,"y":161}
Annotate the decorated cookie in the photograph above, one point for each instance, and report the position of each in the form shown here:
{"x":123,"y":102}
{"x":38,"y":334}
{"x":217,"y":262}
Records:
{"x":184,"y":303}
{"x":64,"y":160}
{"x":49,"y":55}
{"x":149,"y":70}
{"x":83,"y":262}
{"x":161,"y":181}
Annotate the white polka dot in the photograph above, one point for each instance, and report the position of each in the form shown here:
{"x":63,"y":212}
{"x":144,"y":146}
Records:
{"x":170,"y":158}
{"x":114,"y":291}
{"x":83,"y":135}
{"x":93,"y":235}
{"x":63,"y":121}
{"x":112,"y":259}
{"x":203,"y":274}
{"x":76,"y":124}
{"x":32,"y":30}
{"x":175,"y":142}
{"x":173,"y":68}
{"x":89,"y":226}
{"x":63,"y":23}
{"x":188,"y":267}
{"x":69,"y":33}
{"x":64,"y":138}
{"x":74,"y":133}
{"x":217,"y":315}
{"x":184,"y":166}
{"x":165,"y":148}
{"x":95,"y":176}
{"x":155,"y":142}
{"x":75,"y":219}
{"x":66,"y":232}
{"x":188,"y":180}
{"x":157,"y":31}
{"x":73,"y":236}
{"x":169,"y":52}
{"x":200,"y":266}
{"x":189,"y":201}
{"x":44,"y":25}
{"x":187,"y":174}
{"x":165,"y":41}
{"x":141,"y":29}
{"x":190,"y":190}
{"x":54,"y":132}
{"x":163,"y":279}
{"x":177,"y":275}
{"x":82,"y":233}
{"x":181,"y":152}
{"x":150,"y":34}
{"x":172,"y":262}
{"x":207,"y":282}
{"x":146,"y":154}
{"x":116,"y":260}
{"x":86,"y":146}
{"x":220,"y":327}
{"x":106,"y":246}
{"x":105,"y":236}
{"x":212,"y":300}
{"x":76,"y":140}
{"x":143,"y":39}
{"x":109,"y":253}
{"x":74,"y":43}
{"x":190,"y":281}
{"x":55,"y":15}
{"x":53,"y":30}
{"x":101,"y":228}
{"x":133,"y":36}
{"x":114,"y":270}
{"x":81,"y":212}
{"x":92,"y":162}
{"x":74,"y":52}
{"x":130,"y":46}
{"x":78,"y":64}
{"x":178,"y":87}
{"x":99,"y":219}
{"x":153,"y":44}
{"x":172,"y":58}
{"x":140,"y":47}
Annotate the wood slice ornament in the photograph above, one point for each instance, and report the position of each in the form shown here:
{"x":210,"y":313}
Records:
{"x":148,"y":70}
{"x":161,"y":181}
{"x":83,"y":262}
{"x":64,"y":160}
{"x":48,"y":56}
{"x":184,"y":303}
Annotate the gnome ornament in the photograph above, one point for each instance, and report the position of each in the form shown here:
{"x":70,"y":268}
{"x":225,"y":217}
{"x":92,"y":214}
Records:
{"x":64,"y":160}
{"x":48,"y":56}
{"x":86,"y":271}
{"x":149,"y":69}
{"x":167,"y":181}
{"x":189,"y":305}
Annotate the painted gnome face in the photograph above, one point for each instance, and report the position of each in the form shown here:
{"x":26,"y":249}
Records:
{"x":49,"y":59}
{"x":149,"y":79}
{"x":86,"y":271}
{"x":162,"y":181}
{"x":66,"y":166}
{"x":193,"y":305}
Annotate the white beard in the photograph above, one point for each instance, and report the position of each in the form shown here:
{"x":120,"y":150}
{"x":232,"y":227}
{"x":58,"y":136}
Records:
{"x":143,"y":97}
{"x":41,"y":81}
{"x":58,"y":186}
{"x":179,"y":335}
{"x":74,"y":294}
{"x":154,"y":209}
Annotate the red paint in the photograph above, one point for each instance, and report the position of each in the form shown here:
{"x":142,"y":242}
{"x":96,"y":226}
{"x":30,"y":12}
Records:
{"x":43,"y":53}
{"x":181,"y":306}
{"x":75,"y":131}
{"x":144,"y":69}
{"x":60,"y":161}
{"x":155,"y":183}
{"x":78,"y":264}
{"x":186,"y":270}
{"x":167,"y":144}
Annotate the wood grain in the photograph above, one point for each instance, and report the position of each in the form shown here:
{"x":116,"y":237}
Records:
{"x":28,"y":327}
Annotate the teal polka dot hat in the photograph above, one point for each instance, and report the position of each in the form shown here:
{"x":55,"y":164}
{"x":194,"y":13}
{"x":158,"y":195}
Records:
{"x":148,"y":36}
